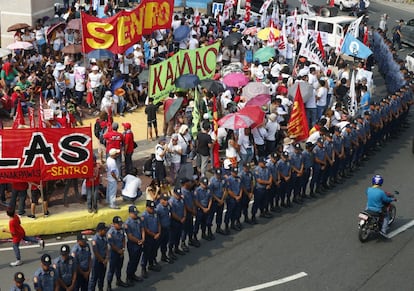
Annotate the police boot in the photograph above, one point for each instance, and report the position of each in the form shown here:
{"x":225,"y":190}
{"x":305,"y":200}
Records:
{"x":227,"y":230}
{"x":210,"y":234}
{"x":171,"y":255}
{"x":130,"y":281}
{"x":144,"y":273}
{"x":109,"y":288}
{"x":219,"y":230}
{"x":204,"y":236}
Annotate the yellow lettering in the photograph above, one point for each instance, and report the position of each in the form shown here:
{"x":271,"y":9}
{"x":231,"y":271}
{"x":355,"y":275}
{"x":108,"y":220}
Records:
{"x":123,"y":30}
{"x":101,"y":35}
{"x":150,"y":17}
{"x":136,"y":22}
{"x":164,"y":13}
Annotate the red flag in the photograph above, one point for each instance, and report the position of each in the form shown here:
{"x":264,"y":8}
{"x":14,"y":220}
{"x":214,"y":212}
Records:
{"x":365,"y":41}
{"x":320,"y":45}
{"x":247,"y":14}
{"x":110,"y":119}
{"x":31,"y":117}
{"x":272,"y":39}
{"x":332,"y":3}
{"x":41,"y":122}
{"x":19,"y":118}
{"x":216,"y":146}
{"x":298,"y":123}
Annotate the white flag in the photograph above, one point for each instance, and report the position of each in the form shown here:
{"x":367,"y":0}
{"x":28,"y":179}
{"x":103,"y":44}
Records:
{"x":352,"y":102}
{"x":353,"y":28}
{"x":311,"y":51}
{"x":283,"y":41}
{"x":265,"y":5}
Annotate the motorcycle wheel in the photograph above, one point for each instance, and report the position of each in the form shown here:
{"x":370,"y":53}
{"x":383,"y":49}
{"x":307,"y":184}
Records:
{"x":393,"y":213}
{"x":363,"y":233}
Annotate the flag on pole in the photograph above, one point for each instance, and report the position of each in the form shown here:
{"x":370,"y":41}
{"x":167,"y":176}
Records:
{"x":247,"y":14}
{"x":272,"y":38}
{"x":197,"y":18}
{"x":31,"y":117}
{"x":283,"y":41}
{"x":275,"y":15}
{"x":352,"y":101}
{"x":311,"y":51}
{"x":265,"y":5}
{"x":353,"y":27}
{"x":195,"y":115}
{"x":19,"y":118}
{"x":366,"y":37}
{"x":216,"y":146}
{"x":354,"y":48}
{"x":41,"y":123}
{"x":228,"y":5}
{"x":298,"y":123}
{"x":320,"y":44}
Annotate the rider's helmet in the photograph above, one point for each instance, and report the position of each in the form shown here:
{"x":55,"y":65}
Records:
{"x":377,"y":180}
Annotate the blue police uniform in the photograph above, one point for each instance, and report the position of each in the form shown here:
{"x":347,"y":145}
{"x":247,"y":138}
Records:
{"x":25,"y":287}
{"x":133,"y":227}
{"x":338,"y":143}
{"x":82,"y":256}
{"x":66,"y":269}
{"x":319,"y":152}
{"x":296,"y":160}
{"x":100,"y":246}
{"x":203,"y":196}
{"x":307,"y":166}
{"x":163,"y":213}
{"x":216,"y":186}
{"x":285,"y":187}
{"x":116,"y":260}
{"x":272,"y":195}
{"x":347,"y":148}
{"x":246,"y":181}
{"x":177,"y":208}
{"x":260,"y":190}
{"x":45,"y":280}
{"x":151,"y":223}
{"x":188,"y":228}
{"x":232,"y":184}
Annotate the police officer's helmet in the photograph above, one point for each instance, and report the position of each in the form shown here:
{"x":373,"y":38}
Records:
{"x":377,"y":180}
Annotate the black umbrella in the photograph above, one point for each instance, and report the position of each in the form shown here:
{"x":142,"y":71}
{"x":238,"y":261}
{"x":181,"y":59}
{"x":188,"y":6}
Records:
{"x":53,"y":21}
{"x":214,"y":86}
{"x":233,"y":39}
{"x":187,"y":81}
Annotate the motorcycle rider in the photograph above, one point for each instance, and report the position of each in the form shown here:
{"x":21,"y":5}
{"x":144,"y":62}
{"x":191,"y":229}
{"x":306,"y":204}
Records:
{"x":377,"y":199}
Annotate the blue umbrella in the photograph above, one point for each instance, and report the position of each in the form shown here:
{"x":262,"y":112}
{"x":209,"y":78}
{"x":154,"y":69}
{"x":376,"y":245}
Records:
{"x":100,"y":54}
{"x":187,"y":81}
{"x":129,"y":51}
{"x":181,"y":32}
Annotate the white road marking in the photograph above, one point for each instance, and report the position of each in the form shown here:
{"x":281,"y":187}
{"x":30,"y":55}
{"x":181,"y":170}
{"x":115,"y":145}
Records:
{"x":274,"y":283}
{"x":401,"y":229}
{"x":32,"y":246}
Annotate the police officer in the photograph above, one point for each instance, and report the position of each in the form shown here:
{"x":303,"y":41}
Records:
{"x":100,"y":257}
{"x":330,"y":158}
{"x":188,"y":194}
{"x":66,"y":268}
{"x":318,"y":166}
{"x":272,"y":201}
{"x":234,"y":196}
{"x":46,"y":277}
{"x":307,"y":155}
{"x":217,"y":190}
{"x":296,"y":161}
{"x":247,"y":185}
{"x":116,"y":241}
{"x":339,"y":155}
{"x":136,"y":237}
{"x":346,"y":135}
{"x":285,"y":183}
{"x":19,"y":284}
{"x":152,"y":229}
{"x":203,"y":201}
{"x":263,"y":179}
{"x":178,"y":217}
{"x":82,"y":254}
{"x":163,"y":212}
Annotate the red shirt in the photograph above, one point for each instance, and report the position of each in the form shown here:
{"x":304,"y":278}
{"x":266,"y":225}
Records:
{"x":129,"y":141}
{"x":96,"y":179}
{"x":16,"y":229}
{"x":114,"y":140}
{"x":20,"y":186}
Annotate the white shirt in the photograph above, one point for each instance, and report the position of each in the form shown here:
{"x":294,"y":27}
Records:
{"x":313,"y":138}
{"x":175,"y":156}
{"x":322,"y":94}
{"x":259,"y":135}
{"x":272,"y":128}
{"x":132,"y":185}
{"x":159,"y":149}
{"x":111,"y":168}
{"x":244,"y":142}
{"x":192,"y":43}
{"x":95,"y":79}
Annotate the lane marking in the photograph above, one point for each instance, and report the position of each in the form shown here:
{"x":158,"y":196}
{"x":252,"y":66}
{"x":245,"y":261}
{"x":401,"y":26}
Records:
{"x":274,"y":283}
{"x":401,"y":229}
{"x":32,"y":246}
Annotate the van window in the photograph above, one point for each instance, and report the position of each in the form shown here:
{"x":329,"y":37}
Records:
{"x":325,"y":27}
{"x":311,"y":24}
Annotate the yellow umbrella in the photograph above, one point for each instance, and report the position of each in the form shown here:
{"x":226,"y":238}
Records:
{"x":264,"y":33}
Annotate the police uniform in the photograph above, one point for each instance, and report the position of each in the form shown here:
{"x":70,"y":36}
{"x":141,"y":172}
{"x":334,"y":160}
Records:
{"x":203,"y":199}
{"x":217,"y":188}
{"x":188,"y":229}
{"x":134,"y":228}
{"x":296,"y":161}
{"x":327,"y":173}
{"x":260,"y":189}
{"x":66,"y":268}
{"x":347,"y":148}
{"x":272,"y":195}
{"x":307,"y":168}
{"x":116,"y":241}
{"x":152,"y":228}
{"x":338,"y":147}
{"x":46,"y":280}
{"x":19,"y":278}
{"x":178,"y":212}
{"x":247,"y":184}
{"x":285,"y":185}
{"x":320,"y":154}
{"x":83,"y":259}
{"x":233,"y":203}
{"x":163,"y":213}
{"x":100,"y":250}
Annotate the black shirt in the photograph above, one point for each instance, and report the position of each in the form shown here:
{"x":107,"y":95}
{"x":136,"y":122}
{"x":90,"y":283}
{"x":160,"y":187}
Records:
{"x":151,"y":112}
{"x":203,"y":140}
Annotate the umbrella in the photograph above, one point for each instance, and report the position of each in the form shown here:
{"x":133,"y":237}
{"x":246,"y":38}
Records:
{"x":213,"y":86}
{"x":181,"y":32}
{"x":19,"y":45}
{"x":264,"y":33}
{"x":250,"y":30}
{"x":264,"y":54}
{"x":306,"y":90}
{"x":259,"y":100}
{"x":235,"y":121}
{"x":187,"y":81}
{"x":72,"y":49}
{"x":171,"y":107}
{"x":74,"y":24}
{"x":235,"y":67}
{"x":236,"y":80}
{"x":253,"y":112}
{"x":233,"y":39}
{"x":52,"y":28}
{"x":4,"y":52}
{"x":253,"y":89}
{"x":100,"y":54}
{"x":17,"y":26}
{"x":53,"y":21}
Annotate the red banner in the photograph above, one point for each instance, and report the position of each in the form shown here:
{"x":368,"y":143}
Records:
{"x":42,"y":154}
{"x":298,"y":123}
{"x":124,"y":29}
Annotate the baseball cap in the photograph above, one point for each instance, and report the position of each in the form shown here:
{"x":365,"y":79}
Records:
{"x":81,"y":237}
{"x":297,"y":146}
{"x":150,"y":204}
{"x":165,"y":196}
{"x":261,"y":160}
{"x":19,"y":277}
{"x":184,"y":180}
{"x":217,"y":171}
{"x":126,"y":125}
{"x":204,"y":180}
{"x":285,"y":154}
{"x":320,"y":140}
{"x":235,"y":170}
{"x":46,"y":259}
{"x":309,"y":144}
{"x":117,"y":220}
{"x":177,"y":191}
{"x":133,"y":209}
{"x":114,"y":151}
{"x":64,"y":250}
{"x":101,"y":226}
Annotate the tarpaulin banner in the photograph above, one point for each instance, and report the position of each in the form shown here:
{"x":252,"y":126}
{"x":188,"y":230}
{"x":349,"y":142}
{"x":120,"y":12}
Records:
{"x":124,"y":29}
{"x":201,"y":62}
{"x":42,"y":154}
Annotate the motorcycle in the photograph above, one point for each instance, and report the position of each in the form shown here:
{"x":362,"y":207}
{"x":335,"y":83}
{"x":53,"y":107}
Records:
{"x":371,"y":222}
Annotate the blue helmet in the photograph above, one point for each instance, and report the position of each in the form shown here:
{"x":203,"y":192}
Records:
{"x":377,"y":180}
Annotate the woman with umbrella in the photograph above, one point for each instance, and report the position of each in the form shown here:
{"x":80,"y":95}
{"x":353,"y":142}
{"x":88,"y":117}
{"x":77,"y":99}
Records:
{"x":40,"y":38}
{"x":58,"y":40}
